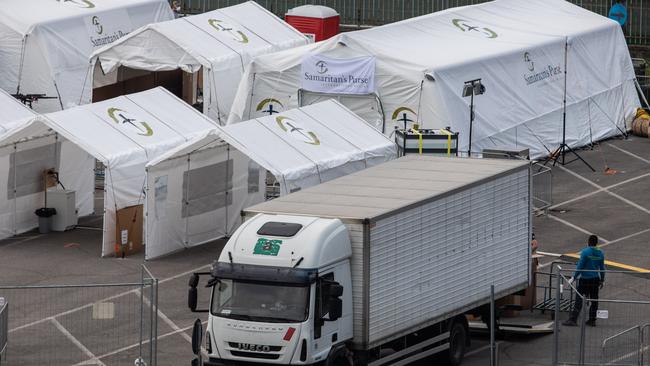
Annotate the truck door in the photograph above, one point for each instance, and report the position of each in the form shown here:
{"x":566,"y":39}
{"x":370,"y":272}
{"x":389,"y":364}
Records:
{"x":326,"y":330}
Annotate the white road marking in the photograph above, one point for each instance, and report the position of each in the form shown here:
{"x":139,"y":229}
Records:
{"x":629,"y":153}
{"x":598,"y":191}
{"x":633,"y":204}
{"x":103,"y":300}
{"x":120,"y":350}
{"x":164,"y":317}
{"x":481,"y":349}
{"x":582,"y":230}
{"x":74,"y":340}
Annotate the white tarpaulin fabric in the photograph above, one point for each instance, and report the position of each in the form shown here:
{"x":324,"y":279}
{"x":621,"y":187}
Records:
{"x":123,"y":133}
{"x":324,"y":74}
{"x":221,"y":41}
{"x":301,"y":148}
{"x":13,"y":113}
{"x":46,"y":44}
{"x":518,"y":49}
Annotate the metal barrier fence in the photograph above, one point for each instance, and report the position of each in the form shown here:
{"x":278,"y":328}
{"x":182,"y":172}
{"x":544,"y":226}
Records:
{"x":4,"y":327}
{"x":542,"y":187}
{"x":83,"y":324}
{"x":621,"y":334}
{"x":361,"y":13}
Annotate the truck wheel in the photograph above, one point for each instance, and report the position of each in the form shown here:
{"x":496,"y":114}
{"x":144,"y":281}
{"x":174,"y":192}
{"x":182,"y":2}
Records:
{"x":457,"y":341}
{"x":339,"y":357}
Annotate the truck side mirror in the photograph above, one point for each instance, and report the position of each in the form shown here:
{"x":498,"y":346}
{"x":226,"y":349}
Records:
{"x":197,"y":337}
{"x":192,"y":299}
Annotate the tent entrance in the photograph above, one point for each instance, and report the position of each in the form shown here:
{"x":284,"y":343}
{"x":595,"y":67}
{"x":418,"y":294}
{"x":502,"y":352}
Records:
{"x":366,"y":106}
{"x":123,"y":81}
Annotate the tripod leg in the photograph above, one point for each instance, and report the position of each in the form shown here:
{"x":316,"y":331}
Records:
{"x":579,"y":157}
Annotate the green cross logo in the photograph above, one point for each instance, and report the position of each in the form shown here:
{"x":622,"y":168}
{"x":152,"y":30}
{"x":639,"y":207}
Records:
{"x":404,"y":116}
{"x":267,"y":247}
{"x":267,"y":106}
{"x":222,"y":26}
{"x":465,"y":26}
{"x":86,"y":4}
{"x":295,"y":130}
{"x":122,"y":118}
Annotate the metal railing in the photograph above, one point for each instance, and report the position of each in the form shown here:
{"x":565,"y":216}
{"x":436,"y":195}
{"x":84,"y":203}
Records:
{"x":4,"y":327}
{"x":363,"y":13}
{"x":82,"y":324}
{"x":619,"y":332}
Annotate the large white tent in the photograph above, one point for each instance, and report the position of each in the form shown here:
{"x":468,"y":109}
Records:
{"x":529,"y":54}
{"x":13,"y":112}
{"x":122,"y":133}
{"x":46,"y":44}
{"x":219,"y":44}
{"x":300,"y":148}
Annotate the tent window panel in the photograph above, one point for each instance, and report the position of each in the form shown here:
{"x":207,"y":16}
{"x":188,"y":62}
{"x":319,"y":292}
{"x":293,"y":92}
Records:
{"x":160,"y":196}
{"x":28,"y":167}
{"x":253,"y":177}
{"x":205,"y":188}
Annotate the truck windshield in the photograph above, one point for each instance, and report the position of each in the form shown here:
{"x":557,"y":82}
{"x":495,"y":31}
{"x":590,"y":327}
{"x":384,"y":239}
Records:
{"x":264,"y":302}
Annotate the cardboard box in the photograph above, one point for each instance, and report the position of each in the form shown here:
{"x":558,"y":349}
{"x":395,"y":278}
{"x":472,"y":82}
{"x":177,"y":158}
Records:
{"x":129,"y":225}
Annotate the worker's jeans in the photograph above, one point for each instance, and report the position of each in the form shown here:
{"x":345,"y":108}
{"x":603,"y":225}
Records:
{"x":588,"y":288}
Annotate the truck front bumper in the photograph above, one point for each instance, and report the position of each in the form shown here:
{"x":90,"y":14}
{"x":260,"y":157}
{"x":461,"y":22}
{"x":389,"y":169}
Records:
{"x":220,"y":362}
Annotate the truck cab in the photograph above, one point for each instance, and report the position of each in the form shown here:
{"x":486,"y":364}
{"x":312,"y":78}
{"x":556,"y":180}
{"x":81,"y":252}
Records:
{"x":281,"y":293}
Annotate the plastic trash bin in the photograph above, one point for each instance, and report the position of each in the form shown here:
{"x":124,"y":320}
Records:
{"x":45,"y":219}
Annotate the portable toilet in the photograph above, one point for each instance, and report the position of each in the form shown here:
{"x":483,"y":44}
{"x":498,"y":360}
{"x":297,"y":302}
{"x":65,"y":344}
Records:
{"x":315,"y":21}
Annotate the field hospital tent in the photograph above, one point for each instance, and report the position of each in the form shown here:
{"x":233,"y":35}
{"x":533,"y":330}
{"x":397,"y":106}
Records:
{"x":214,"y":47}
{"x":46,"y":44}
{"x":300,"y":147}
{"x":12,"y":112}
{"x":414,"y":72}
{"x":122,"y":133}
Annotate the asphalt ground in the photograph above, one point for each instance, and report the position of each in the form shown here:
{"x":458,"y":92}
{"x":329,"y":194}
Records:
{"x":62,"y":326}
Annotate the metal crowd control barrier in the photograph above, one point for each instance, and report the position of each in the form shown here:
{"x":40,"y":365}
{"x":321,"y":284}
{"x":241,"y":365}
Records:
{"x":4,"y":328}
{"x":620,"y":334}
{"x":81,"y":324}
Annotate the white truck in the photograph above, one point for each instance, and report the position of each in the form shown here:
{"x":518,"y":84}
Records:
{"x":375,"y":268}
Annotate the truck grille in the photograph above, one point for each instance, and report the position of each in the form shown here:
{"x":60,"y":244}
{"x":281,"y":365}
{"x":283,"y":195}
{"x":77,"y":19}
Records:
{"x":235,"y":345}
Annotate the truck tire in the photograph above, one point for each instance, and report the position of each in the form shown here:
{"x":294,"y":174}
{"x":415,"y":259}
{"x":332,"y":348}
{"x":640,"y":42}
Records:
{"x":339,"y":357}
{"x":457,"y":343}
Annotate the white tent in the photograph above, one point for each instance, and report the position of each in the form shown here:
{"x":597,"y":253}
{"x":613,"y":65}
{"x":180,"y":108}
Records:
{"x":219,"y":43}
{"x":415,"y":70}
{"x":300,"y":147}
{"x":46,"y":44}
{"x":13,"y":112}
{"x":122,"y":133}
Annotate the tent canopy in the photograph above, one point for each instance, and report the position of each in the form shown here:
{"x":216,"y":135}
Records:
{"x":222,"y":41}
{"x":13,"y":112}
{"x":301,"y":147}
{"x":123,"y":133}
{"x":47,"y":43}
{"x":517,"y":48}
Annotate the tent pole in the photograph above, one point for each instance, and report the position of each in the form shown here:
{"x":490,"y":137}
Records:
{"x":225,"y":196}
{"x":15,"y":190}
{"x":560,"y":153}
{"x":187,"y":203}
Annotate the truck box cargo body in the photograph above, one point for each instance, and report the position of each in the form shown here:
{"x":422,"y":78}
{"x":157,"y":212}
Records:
{"x":429,"y":236}
{"x":390,"y":257}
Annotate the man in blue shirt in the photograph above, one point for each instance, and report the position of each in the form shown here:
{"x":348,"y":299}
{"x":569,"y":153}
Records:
{"x":618,"y":12}
{"x":590,"y":279}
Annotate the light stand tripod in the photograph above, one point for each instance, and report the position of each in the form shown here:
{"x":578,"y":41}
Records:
{"x":559,"y":155}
